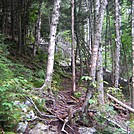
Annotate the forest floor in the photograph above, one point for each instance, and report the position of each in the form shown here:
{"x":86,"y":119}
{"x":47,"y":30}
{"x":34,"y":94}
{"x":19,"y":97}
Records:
{"x":66,"y":109}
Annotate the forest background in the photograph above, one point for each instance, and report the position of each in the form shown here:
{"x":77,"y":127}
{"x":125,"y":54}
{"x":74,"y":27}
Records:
{"x":83,"y":48}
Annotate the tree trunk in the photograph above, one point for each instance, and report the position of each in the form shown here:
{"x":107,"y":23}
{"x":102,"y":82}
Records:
{"x":132,"y":93}
{"x":100,"y":77}
{"x":12,"y":19}
{"x":77,"y":29}
{"x":99,"y":15}
{"x":106,"y":37}
{"x":72,"y":52}
{"x":51,"y":49}
{"x":3,"y":16}
{"x":117,"y":44}
{"x":20,"y":26}
{"x":37,"y":29}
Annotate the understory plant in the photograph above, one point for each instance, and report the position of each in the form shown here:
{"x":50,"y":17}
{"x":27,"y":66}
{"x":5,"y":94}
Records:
{"x":13,"y":87}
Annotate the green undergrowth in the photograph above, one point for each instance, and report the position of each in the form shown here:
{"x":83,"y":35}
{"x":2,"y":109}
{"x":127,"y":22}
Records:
{"x":14,"y":86}
{"x":16,"y":82}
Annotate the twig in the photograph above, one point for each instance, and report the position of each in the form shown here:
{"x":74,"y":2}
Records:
{"x":38,"y":111}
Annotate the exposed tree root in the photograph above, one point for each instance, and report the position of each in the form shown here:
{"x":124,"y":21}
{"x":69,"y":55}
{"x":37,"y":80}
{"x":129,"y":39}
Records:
{"x":38,"y":111}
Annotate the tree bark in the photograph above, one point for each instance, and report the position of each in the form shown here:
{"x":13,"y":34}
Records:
{"x":12,"y":19}
{"x":132,"y":93}
{"x":51,"y":49}
{"x":99,"y":15}
{"x":97,"y":36}
{"x":37,"y":29}
{"x":117,"y":44}
{"x":72,"y":52}
{"x":100,"y":77}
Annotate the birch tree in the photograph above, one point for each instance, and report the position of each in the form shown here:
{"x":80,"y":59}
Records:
{"x":73,"y":54}
{"x":99,"y":15}
{"x":51,"y":49}
{"x":132,"y":94}
{"x":117,"y":44}
{"x":100,"y":76}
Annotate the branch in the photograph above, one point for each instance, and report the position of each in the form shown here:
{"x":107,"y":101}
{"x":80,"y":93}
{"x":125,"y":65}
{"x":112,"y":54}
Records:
{"x":119,"y":102}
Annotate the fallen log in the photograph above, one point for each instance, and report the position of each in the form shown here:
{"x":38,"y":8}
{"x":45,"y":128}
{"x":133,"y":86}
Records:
{"x":119,"y":102}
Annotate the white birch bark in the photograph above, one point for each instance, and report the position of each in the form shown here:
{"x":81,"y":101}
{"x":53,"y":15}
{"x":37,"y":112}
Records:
{"x":97,"y":37}
{"x":132,"y":93}
{"x":117,"y":44}
{"x":73,"y":53}
{"x":100,"y":77}
{"x":51,"y":49}
{"x":99,"y":15}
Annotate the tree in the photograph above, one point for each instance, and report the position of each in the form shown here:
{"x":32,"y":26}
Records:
{"x":51,"y":49}
{"x":37,"y":29}
{"x":132,"y":94}
{"x":99,"y":15}
{"x":73,"y":53}
{"x":117,"y":44}
{"x":100,"y":76}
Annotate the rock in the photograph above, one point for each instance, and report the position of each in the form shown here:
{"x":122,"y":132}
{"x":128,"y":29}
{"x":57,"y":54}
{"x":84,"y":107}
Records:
{"x":87,"y":130}
{"x":42,"y":129}
{"x":30,"y":115}
{"x":22,"y":126}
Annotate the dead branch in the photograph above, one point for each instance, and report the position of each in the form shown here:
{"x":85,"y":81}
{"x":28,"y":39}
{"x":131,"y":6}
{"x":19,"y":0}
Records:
{"x":119,"y":102}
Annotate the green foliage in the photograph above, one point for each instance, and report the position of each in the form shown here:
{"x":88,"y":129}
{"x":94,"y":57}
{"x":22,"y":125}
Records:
{"x":92,"y":101}
{"x":11,"y":91}
{"x":66,"y":35}
{"x":5,"y":74}
{"x":42,"y":56}
{"x":38,"y":78}
{"x":37,"y":82}
{"x":40,"y":103}
{"x":77,"y":95}
{"x":13,"y":87}
{"x":116,"y":92}
{"x":56,"y":81}
{"x":89,"y":80}
{"x":86,"y":78}
{"x":41,"y":74}
{"x":30,"y":39}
